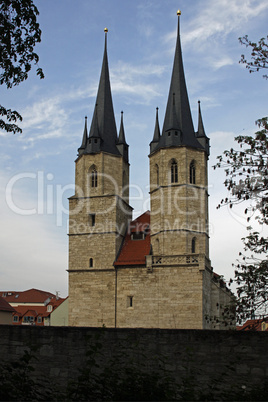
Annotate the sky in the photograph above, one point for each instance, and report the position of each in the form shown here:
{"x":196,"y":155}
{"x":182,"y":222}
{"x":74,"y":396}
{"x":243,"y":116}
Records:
{"x":37,"y":167}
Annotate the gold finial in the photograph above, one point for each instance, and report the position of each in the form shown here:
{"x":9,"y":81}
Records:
{"x":179,"y":12}
{"x":105,"y":30}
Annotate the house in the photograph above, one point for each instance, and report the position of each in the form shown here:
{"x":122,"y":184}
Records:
{"x":260,"y":324}
{"x":6,"y":312}
{"x":154,"y":271}
{"x":37,"y":307}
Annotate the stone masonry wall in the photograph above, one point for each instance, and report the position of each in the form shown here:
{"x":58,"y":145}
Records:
{"x":228,"y":359}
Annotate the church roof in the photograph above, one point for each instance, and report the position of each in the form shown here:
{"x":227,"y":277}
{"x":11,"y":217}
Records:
{"x":103,"y":132}
{"x":136,"y":244}
{"x":178,"y":129}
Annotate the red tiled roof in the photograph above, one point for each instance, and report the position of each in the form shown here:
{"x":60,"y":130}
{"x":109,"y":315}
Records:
{"x":32,"y":311}
{"x":253,"y":325}
{"x":5,"y":306}
{"x":27,"y":296}
{"x":133,"y":252}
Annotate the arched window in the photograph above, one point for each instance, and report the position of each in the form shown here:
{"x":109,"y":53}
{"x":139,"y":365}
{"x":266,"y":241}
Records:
{"x":90,"y":262}
{"x":193,"y":245}
{"x":174,"y":172}
{"x":192,"y":172}
{"x":94,"y":178}
{"x":157,"y":175}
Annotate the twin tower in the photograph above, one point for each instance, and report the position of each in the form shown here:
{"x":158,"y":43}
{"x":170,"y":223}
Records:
{"x":155,"y":271}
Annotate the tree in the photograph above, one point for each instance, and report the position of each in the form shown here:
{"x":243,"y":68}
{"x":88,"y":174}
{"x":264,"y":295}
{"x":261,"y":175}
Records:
{"x":247,"y":181}
{"x":259,"y":54}
{"x":19,"y":33}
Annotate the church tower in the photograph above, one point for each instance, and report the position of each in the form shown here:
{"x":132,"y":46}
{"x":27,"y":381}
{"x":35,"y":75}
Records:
{"x":154,"y":271}
{"x":179,"y":197}
{"x":99,"y":211}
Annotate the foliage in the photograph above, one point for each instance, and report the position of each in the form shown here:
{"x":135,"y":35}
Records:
{"x":247,"y":180}
{"x":259,"y":54}
{"x":247,"y":173}
{"x":19,"y":33}
{"x":16,"y":382}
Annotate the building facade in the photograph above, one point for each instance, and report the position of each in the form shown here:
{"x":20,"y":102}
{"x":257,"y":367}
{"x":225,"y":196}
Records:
{"x":155,"y":271}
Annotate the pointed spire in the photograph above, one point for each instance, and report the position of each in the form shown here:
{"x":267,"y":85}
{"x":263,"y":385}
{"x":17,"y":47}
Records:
{"x":94,"y":128}
{"x":156,"y":128}
{"x":84,"y":140}
{"x":200,"y":134}
{"x":178,"y":126}
{"x":201,"y":130}
{"x":94,"y":138}
{"x":106,"y":119}
{"x":122,"y":138}
{"x":122,"y":145}
{"x":157,"y":134}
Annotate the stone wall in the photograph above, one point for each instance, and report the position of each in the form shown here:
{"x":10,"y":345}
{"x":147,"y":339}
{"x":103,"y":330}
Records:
{"x":226,"y":359}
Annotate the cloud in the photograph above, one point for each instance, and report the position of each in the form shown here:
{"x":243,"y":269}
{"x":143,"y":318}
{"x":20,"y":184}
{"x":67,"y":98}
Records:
{"x":32,"y":248}
{"x":221,"y":18}
{"x":211,"y":26}
{"x":133,"y":80}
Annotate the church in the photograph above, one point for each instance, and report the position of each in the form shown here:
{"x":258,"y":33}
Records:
{"x":154,"y":271}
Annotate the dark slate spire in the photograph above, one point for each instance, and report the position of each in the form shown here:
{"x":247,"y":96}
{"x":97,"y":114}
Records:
{"x":122,"y":145}
{"x":178,"y":126}
{"x":94,"y":139}
{"x":201,"y":135}
{"x":106,"y":117}
{"x":84,"y":140}
{"x":157,"y":135}
{"x":103,"y":133}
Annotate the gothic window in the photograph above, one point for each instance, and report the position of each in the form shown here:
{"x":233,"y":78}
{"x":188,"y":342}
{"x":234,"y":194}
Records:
{"x":157,"y":175}
{"x":192,"y":172}
{"x":174,"y":172}
{"x":193,"y":245}
{"x":91,"y":263}
{"x":94,"y":178}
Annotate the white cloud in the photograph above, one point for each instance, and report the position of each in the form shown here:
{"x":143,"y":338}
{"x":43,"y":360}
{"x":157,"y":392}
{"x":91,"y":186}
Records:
{"x":31,"y":247}
{"x":131,"y":80}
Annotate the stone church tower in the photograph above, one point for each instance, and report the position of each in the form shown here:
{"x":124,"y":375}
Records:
{"x":155,"y":271}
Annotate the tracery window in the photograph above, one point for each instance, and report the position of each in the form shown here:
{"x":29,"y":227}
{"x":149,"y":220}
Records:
{"x":94,"y":178}
{"x":174,"y":172}
{"x":192,"y":172}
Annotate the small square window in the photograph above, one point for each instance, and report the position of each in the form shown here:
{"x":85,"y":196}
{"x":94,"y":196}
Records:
{"x":15,"y":318}
{"x":130,"y":301}
{"x":39,"y":320}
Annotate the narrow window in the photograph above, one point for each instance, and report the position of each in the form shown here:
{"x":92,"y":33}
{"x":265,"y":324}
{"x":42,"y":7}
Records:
{"x":91,"y":263}
{"x":92,"y":219}
{"x":157,"y":174}
{"x":94,"y":178}
{"x":192,"y":172}
{"x":130,"y":301}
{"x":193,"y":245}
{"x":174,"y":172}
